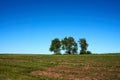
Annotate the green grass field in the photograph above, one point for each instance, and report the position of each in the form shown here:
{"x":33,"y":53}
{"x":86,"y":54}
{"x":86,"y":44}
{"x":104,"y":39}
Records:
{"x":59,"y":67}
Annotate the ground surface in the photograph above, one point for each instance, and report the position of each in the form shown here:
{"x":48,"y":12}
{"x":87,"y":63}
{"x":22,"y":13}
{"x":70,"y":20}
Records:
{"x":60,"y":67}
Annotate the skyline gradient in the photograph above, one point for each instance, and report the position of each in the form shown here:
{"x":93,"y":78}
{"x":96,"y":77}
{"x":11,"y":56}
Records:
{"x":28,"y":26}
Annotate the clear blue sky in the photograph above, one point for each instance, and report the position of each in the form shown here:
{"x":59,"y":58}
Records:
{"x":28,"y":26}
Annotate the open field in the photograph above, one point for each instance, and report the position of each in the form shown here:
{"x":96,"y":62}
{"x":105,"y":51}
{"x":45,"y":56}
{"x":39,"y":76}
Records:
{"x":59,"y":67}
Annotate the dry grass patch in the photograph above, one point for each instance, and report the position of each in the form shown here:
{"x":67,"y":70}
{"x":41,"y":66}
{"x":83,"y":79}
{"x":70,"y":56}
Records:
{"x":82,"y":73}
{"x":56,"y":72}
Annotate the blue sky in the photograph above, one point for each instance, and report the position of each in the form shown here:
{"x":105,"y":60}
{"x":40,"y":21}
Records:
{"x":28,"y":26}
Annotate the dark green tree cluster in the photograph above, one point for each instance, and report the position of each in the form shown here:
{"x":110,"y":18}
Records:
{"x":69,"y":45}
{"x":55,"y":46}
{"x":83,"y":45}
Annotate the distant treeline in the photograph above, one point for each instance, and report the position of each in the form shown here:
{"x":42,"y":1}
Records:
{"x":69,"y":45}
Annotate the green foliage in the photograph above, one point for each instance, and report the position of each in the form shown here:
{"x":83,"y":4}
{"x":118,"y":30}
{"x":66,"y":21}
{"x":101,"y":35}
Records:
{"x":69,"y":45}
{"x":82,"y":52}
{"x":83,"y":45}
{"x":89,"y":52}
{"x":55,"y":46}
{"x":75,"y":48}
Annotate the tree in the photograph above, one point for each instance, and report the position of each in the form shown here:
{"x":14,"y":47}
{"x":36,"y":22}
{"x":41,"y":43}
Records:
{"x":69,"y":45}
{"x":83,"y":45}
{"x":75,"y":48}
{"x":89,"y":52}
{"x":55,"y":46}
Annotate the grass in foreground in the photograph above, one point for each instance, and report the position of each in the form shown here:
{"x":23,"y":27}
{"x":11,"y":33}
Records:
{"x":60,"y":67}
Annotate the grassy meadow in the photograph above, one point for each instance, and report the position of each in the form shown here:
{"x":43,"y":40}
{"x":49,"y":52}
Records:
{"x":59,"y":67}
